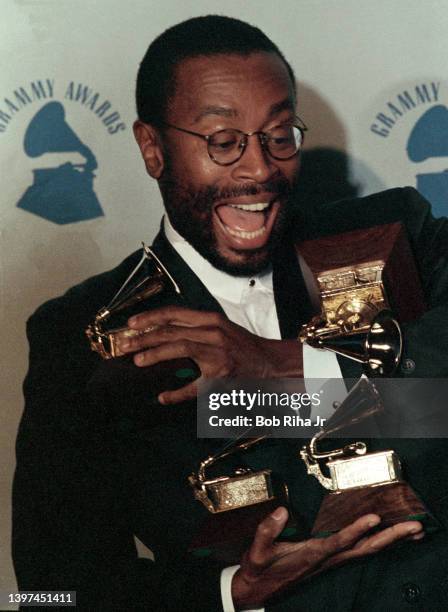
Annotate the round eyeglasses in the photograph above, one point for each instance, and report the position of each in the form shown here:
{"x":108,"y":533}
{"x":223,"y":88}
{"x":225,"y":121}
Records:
{"x":226,"y":147}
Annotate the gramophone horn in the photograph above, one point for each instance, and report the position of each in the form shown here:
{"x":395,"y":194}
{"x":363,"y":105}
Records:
{"x":383,"y":344}
{"x":48,"y":132}
{"x":379,"y":350}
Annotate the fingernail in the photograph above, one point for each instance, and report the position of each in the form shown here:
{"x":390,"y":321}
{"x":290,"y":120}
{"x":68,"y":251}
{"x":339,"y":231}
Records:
{"x":278,"y":514}
{"x":161,"y":399}
{"x":418,"y":536}
{"x":374,"y":520}
{"x":133,"y":321}
{"x":415,"y":530}
{"x":139,"y":359}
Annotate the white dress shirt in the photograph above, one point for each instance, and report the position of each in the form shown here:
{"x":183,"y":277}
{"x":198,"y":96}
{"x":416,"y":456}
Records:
{"x":246,"y":300}
{"x":249,"y":302}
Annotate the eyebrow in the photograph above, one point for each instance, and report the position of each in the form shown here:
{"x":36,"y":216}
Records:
{"x":278,"y":107}
{"x":221,"y":111}
{"x":224,"y":111}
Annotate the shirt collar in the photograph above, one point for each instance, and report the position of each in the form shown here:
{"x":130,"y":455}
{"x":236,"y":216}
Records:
{"x":219,"y":283}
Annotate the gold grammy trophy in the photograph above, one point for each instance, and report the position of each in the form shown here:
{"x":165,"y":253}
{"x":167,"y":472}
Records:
{"x":359,"y":482}
{"x":243,"y":488}
{"x":237,"y":503}
{"x":105,"y":333}
{"x":358,"y":278}
{"x":146,"y":287}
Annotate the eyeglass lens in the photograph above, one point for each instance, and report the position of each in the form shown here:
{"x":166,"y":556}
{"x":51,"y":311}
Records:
{"x":282,"y":142}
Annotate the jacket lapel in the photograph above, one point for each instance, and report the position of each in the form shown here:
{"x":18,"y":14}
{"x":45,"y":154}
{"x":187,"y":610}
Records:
{"x":194,"y":294}
{"x":291,"y":297}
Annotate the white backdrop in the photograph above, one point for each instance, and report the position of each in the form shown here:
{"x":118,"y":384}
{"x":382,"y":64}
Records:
{"x":355,"y":60}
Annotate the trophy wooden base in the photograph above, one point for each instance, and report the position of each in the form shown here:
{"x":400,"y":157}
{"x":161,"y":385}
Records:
{"x":226,"y":535}
{"x":394,"y":503}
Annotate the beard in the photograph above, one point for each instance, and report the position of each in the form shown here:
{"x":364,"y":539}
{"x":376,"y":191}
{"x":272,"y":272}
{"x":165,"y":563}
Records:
{"x":191,"y":214}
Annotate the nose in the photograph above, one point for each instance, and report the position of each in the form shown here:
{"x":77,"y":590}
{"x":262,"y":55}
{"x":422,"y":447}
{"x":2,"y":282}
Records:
{"x":255,"y":164}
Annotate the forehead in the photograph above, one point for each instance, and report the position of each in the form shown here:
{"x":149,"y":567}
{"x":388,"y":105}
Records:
{"x":245,"y":85}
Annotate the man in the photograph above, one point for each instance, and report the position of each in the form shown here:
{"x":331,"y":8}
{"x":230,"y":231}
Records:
{"x":217,"y":128}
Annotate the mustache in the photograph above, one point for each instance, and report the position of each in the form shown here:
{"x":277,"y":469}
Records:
{"x":280,"y":187}
{"x":203,"y":199}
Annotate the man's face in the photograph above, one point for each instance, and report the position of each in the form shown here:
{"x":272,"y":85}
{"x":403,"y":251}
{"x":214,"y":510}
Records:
{"x":232,"y":215}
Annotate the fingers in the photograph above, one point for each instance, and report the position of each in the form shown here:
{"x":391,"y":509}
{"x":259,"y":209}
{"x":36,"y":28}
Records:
{"x":388,"y":537}
{"x":249,"y":589}
{"x":276,"y":563}
{"x":165,"y":352}
{"x":176,"y":315}
{"x":172,"y":334}
{"x":212,"y":362}
{"x":184,"y":394}
{"x":260,"y":553}
{"x":350,"y":535}
{"x":269,"y":566}
{"x":370,"y":545}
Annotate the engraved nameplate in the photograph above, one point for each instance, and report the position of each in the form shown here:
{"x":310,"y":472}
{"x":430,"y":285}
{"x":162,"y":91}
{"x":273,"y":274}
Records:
{"x":240,"y":491}
{"x":370,"y":470}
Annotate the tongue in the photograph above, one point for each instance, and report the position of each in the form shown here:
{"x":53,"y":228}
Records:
{"x":241,"y":220}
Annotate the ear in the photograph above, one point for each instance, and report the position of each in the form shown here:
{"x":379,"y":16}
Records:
{"x":149,"y":142}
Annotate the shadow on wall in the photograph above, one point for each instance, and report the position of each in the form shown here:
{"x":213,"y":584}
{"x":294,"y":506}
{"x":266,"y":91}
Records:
{"x":326,"y":128}
{"x":324,"y":177}
{"x":327,"y":172}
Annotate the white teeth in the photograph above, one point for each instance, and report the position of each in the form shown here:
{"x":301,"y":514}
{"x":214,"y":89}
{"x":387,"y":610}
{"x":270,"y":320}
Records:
{"x":247,"y":235}
{"x":254,"y":207}
{"x":251,"y":207}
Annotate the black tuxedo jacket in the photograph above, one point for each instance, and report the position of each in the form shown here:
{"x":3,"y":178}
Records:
{"x":97,"y":464}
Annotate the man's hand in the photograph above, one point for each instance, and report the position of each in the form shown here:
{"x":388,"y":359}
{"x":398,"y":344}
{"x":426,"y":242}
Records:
{"x":269,"y":567}
{"x":219,"y":347}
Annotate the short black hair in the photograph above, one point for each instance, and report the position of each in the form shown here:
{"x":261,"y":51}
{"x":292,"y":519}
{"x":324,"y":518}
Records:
{"x":207,"y":35}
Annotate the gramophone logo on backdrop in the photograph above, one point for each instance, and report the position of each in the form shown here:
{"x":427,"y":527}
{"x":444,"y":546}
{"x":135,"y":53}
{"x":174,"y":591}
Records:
{"x":426,"y":138}
{"x":61,"y":193}
{"x":429,"y":138}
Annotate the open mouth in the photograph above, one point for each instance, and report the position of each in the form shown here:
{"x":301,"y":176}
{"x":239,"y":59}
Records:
{"x":248,"y":225}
